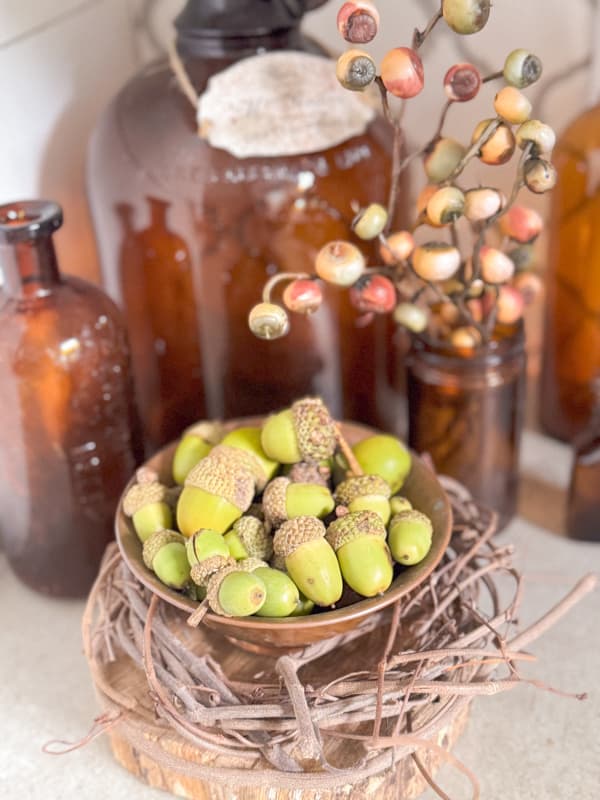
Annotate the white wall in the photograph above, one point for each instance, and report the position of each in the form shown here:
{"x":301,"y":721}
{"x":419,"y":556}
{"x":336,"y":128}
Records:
{"x":61,"y":60}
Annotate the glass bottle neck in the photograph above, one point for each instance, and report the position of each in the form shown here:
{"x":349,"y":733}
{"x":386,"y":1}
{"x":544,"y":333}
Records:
{"x":30,"y":268}
{"x":237,"y":28}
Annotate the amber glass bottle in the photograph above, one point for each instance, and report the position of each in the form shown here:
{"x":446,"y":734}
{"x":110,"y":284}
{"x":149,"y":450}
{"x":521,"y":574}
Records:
{"x":189,"y":233}
{"x":466,"y":411}
{"x":572,"y":340}
{"x":583,"y":508}
{"x":68,"y":442}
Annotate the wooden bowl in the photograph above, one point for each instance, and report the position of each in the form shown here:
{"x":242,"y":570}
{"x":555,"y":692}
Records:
{"x":422,"y":489}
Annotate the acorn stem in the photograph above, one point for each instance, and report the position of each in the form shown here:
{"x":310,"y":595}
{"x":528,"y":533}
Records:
{"x":353,"y":464}
{"x":278,"y":278}
{"x":196,"y":617}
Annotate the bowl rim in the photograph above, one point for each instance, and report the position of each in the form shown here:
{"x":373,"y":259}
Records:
{"x":325,"y":617}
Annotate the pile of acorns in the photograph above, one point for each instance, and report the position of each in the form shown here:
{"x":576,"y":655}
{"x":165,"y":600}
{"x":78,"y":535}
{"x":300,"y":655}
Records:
{"x":272,"y":521}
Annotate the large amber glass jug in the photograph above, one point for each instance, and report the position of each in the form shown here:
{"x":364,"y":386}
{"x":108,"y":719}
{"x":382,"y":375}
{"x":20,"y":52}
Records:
{"x":189,"y":231}
{"x":572,"y":338}
{"x":68,"y":443}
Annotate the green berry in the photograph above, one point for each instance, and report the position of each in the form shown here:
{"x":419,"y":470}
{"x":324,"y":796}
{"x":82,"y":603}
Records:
{"x":370,"y":221}
{"x":410,"y":537}
{"x":282,"y":593}
{"x":442,"y":158}
{"x":466,"y":16}
{"x":268,"y":321}
{"x":355,"y":70}
{"x":522,"y":68}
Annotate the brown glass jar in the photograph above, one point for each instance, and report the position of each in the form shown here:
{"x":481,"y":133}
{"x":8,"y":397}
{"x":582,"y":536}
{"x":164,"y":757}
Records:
{"x":68,"y":444}
{"x":466,"y":411}
{"x":188,"y":235}
{"x":572,"y":335}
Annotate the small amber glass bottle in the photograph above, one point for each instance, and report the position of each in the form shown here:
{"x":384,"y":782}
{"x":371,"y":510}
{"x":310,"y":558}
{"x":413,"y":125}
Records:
{"x":189,"y":231}
{"x":466,"y":411}
{"x":583,"y":509}
{"x":68,"y":441}
{"x":572,"y":337}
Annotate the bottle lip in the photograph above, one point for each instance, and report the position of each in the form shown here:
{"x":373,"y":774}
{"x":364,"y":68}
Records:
{"x":497,"y":350}
{"x":27,"y":220}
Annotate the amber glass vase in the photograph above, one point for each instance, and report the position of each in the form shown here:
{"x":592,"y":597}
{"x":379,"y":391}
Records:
{"x":189,"y":233}
{"x":466,"y":411}
{"x":572,"y":338}
{"x":68,"y":444}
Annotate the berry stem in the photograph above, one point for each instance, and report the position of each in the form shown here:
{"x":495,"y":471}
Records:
{"x":420,"y":36}
{"x":493,"y":77}
{"x":279,"y":278}
{"x":474,"y":149}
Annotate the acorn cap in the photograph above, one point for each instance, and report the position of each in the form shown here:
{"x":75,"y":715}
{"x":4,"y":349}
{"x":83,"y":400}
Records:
{"x":302,"y":472}
{"x":253,"y":534}
{"x":353,"y":526}
{"x":359,"y":486}
{"x":315,"y":430}
{"x":201,"y":572}
{"x":211,"y":432}
{"x":223,"y":480}
{"x":274,"y":501}
{"x":278,"y":562}
{"x":251,"y":563}
{"x":157,"y":540}
{"x":143,"y":494}
{"x":296,"y":532}
{"x":238,"y":459}
{"x":412,"y":515}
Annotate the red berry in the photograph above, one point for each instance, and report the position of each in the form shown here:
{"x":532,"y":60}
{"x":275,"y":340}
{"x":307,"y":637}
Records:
{"x":462,"y":82}
{"x":521,"y":224}
{"x":302,"y":296}
{"x":358,"y":21}
{"x":402,"y":72}
{"x":373,"y":293}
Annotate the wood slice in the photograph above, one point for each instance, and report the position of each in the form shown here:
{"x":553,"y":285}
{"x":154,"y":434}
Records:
{"x":153,"y":751}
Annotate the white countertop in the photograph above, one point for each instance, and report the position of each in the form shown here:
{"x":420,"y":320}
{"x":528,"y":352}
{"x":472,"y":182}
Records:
{"x":524,"y":744}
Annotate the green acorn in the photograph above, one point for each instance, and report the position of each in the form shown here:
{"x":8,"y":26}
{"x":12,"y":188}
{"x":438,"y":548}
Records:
{"x":358,"y":539}
{"x":309,"y":559}
{"x":248,"y":440}
{"x":304,"y":606}
{"x":147,"y":504}
{"x":249,"y":539}
{"x":164,"y":553}
{"x":196,"y":443}
{"x":216,"y":493}
{"x":410,"y":537}
{"x":304,"y":432}
{"x":204,"y":544}
{"x":284,"y":500}
{"x":399,"y":504}
{"x":231,"y":592}
{"x":282,"y":593}
{"x":384,"y":455}
{"x":365,"y":493}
